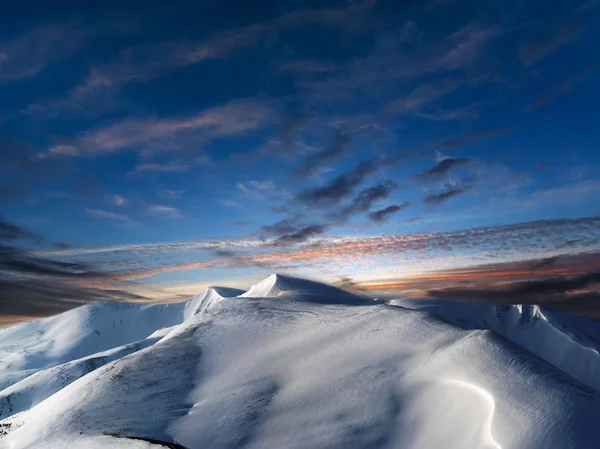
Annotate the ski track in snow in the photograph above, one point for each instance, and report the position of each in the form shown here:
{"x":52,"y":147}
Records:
{"x":297,"y":364}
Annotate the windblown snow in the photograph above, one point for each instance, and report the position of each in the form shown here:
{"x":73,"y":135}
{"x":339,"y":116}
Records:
{"x":293,"y":363}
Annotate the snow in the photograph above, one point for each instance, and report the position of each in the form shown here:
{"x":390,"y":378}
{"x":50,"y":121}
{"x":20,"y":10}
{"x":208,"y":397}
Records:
{"x":543,"y":332}
{"x":208,"y":297}
{"x":296,"y":364}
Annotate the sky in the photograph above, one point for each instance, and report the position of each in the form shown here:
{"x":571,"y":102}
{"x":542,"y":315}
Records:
{"x":444,"y":148}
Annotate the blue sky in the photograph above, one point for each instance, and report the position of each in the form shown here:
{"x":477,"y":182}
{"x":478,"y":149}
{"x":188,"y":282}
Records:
{"x":219,"y":131}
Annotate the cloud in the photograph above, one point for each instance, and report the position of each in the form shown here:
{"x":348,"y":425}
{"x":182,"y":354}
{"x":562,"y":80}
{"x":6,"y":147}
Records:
{"x":11,"y":232}
{"x":533,"y":51}
{"x":423,"y":95}
{"x":396,"y":57}
{"x":333,"y":151}
{"x":39,"y":298}
{"x":566,"y":194}
{"x":107,"y":214}
{"x":256,"y":188}
{"x":34,"y":286}
{"x":474,"y":136}
{"x":302,"y":234}
{"x":558,"y":291}
{"x":339,"y":188}
{"x":382,"y":215}
{"x":171,"y":193}
{"x":170,"y":167}
{"x":364,"y":200}
{"x":26,"y":55}
{"x":290,"y":231}
{"x":286,"y":226}
{"x":558,"y":90}
{"x":181,"y":133}
{"x":544,"y":263}
{"x":117,"y":200}
{"x":31,"y":285}
{"x":160,"y":209}
{"x":443,"y":167}
{"x":145,"y":62}
{"x":450,"y":190}
{"x":412,"y":252}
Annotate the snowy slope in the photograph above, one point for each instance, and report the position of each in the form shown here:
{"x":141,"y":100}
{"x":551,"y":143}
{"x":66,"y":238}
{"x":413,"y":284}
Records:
{"x":209,"y":296}
{"x":573,"y":349}
{"x":295,"y":364}
{"x":78,"y":333}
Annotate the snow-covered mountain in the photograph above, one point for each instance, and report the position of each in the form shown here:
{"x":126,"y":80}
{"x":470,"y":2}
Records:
{"x":297,"y":364}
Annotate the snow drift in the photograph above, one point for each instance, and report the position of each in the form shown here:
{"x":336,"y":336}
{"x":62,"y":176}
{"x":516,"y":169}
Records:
{"x":294,"y":364}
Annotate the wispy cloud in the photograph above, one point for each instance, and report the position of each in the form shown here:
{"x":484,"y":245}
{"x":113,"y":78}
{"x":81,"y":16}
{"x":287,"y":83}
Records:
{"x":423,"y":95}
{"x":533,"y":51}
{"x":443,"y":167}
{"x":255,"y":188}
{"x":317,"y":161}
{"x":12,"y":232}
{"x":364,"y":200}
{"x":451,"y":189}
{"x":562,"y":88}
{"x":338,"y":188}
{"x":401,"y":56}
{"x":107,"y":214}
{"x":154,"y":135}
{"x":408,"y":252}
{"x":382,"y":215}
{"x":168,"y":211}
{"x":28,"y":54}
{"x":146,"y":62}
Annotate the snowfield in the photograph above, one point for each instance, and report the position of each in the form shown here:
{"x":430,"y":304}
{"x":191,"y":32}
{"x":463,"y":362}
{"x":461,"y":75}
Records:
{"x":297,"y":364}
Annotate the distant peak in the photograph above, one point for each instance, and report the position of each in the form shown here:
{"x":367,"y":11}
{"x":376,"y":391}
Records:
{"x":277,"y":285}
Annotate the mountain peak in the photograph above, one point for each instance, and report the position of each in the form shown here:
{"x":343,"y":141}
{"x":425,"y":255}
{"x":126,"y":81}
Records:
{"x":277,"y":285}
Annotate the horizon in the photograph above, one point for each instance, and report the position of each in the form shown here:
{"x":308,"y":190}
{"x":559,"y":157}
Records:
{"x":437,"y":149}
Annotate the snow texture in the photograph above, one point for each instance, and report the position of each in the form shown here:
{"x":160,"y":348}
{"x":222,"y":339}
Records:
{"x":297,"y":364}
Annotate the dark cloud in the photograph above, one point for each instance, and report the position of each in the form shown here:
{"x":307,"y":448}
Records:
{"x":15,"y":260}
{"x":63,"y":245}
{"x":382,"y":215}
{"x":11,"y":232}
{"x":450,"y":191}
{"x":224,"y":253}
{"x":443,"y":167}
{"x":313,"y":163}
{"x":38,"y":298}
{"x":533,"y":51}
{"x":544,"y":263}
{"x":290,"y":231}
{"x":286,"y":226}
{"x":339,"y":188}
{"x":302,"y":234}
{"x":347,"y":283}
{"x":364,"y":200}
{"x":474,"y":136}
{"x":571,"y":293}
{"x":31,"y":285}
